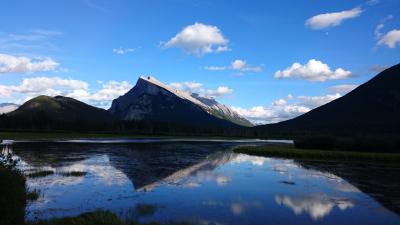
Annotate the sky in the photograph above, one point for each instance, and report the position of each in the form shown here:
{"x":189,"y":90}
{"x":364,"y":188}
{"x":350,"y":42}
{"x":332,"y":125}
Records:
{"x":268,"y":60}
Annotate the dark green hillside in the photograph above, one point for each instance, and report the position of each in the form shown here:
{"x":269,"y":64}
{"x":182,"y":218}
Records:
{"x":59,"y":113}
{"x":372,"y":108}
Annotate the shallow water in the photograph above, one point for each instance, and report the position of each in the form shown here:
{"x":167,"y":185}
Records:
{"x":197,"y":181}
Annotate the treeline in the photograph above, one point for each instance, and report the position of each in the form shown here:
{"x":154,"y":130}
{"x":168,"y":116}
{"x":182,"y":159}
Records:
{"x":41,"y":122}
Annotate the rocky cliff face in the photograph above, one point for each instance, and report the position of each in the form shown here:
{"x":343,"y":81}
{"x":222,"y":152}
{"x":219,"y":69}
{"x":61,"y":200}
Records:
{"x":152,"y":100}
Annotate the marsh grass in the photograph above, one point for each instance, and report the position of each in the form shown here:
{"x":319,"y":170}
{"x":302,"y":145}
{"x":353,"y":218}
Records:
{"x":42,"y":173}
{"x":99,"y":217}
{"x":288,"y":151}
{"x":73,"y":174}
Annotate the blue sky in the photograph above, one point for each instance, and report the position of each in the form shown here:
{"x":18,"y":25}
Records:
{"x":240,"y":52}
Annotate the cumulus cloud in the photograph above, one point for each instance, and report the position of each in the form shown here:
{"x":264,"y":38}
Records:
{"x":284,"y":108}
{"x":42,"y":85}
{"x":237,"y":65}
{"x":326,"y":20}
{"x":315,"y":101}
{"x":13,"y":64}
{"x":195,"y":87}
{"x":52,"y":86}
{"x":122,"y":51}
{"x":390,"y":39}
{"x":313,"y":70}
{"x":199,"y":39}
{"x":343,"y":88}
{"x":109,"y":91}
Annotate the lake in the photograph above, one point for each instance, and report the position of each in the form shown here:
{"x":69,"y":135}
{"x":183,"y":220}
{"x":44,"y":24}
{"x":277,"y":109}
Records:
{"x":203,"y":182}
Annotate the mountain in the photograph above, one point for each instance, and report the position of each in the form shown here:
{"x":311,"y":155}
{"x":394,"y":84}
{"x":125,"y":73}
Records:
{"x":151,"y":100}
{"x":44,"y":112}
{"x":7,"y":107}
{"x":371,"y":108}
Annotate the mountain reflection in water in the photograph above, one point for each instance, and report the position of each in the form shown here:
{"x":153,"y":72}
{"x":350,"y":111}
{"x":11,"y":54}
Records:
{"x":200,"y":182}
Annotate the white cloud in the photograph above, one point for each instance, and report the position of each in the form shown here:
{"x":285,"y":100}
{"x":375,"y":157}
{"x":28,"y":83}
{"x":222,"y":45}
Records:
{"x":215,"y":68}
{"x":121,"y":51}
{"x":280,"y":102}
{"x":343,"y":88}
{"x":284,"y":108}
{"x":52,"y":86}
{"x":268,"y":114}
{"x":380,"y":26}
{"x":314,"y":70}
{"x":187,"y":86}
{"x":219,"y":92}
{"x":326,"y":20}
{"x":13,"y":64}
{"x":390,"y":39}
{"x":315,"y":101}
{"x":42,"y":85}
{"x":372,"y":2}
{"x":195,"y":87}
{"x":236,"y":65}
{"x":33,"y":39}
{"x":109,"y":91}
{"x":199,"y":39}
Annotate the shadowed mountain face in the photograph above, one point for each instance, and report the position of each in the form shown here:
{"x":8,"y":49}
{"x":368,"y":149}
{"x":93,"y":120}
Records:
{"x":372,"y":108}
{"x":57,"y":112}
{"x":151,"y":100}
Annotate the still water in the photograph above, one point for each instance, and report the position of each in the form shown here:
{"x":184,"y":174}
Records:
{"x":197,"y":181}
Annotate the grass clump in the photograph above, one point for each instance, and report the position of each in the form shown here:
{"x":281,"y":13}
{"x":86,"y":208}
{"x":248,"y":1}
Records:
{"x":74,"y":174}
{"x":288,"y":151}
{"x":12,"y":192}
{"x":32,"y":195}
{"x":42,"y":173}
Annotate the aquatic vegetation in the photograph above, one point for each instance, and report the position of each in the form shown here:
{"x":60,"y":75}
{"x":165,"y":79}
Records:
{"x":42,"y":173}
{"x":74,"y":174}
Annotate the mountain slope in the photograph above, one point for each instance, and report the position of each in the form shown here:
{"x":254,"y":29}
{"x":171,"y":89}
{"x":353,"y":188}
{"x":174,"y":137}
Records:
{"x":7,"y":107}
{"x":57,"y":113}
{"x":372,"y":108}
{"x":151,"y":100}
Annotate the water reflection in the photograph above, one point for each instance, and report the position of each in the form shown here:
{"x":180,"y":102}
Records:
{"x":202,"y":182}
{"x":317,"y":205}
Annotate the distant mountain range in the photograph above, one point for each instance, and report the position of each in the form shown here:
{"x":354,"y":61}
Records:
{"x":151,"y":100}
{"x":151,"y":106}
{"x":371,"y":108}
